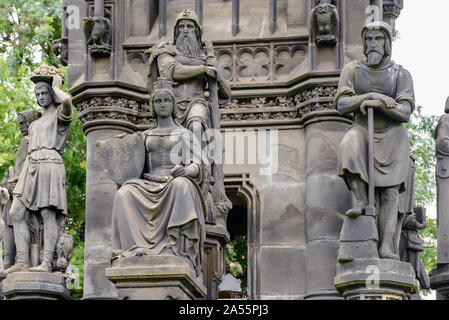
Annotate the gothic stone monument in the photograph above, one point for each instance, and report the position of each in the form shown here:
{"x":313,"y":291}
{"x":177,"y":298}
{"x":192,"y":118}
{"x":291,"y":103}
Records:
{"x":282,"y":60}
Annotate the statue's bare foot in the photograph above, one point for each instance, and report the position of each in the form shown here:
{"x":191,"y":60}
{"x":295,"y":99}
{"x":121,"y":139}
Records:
{"x":385,"y":254}
{"x":356,"y":211}
{"x":44,"y":267}
{"x":18,"y":267}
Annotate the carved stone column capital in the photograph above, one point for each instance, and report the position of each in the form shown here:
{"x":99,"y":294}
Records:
{"x":392,"y":10}
{"x":119,"y":112}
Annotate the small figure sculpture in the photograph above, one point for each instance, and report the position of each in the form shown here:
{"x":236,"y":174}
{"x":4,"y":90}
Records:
{"x":162,"y":211}
{"x":189,"y":68}
{"x":385,"y":86}
{"x":442,"y":178}
{"x":411,"y":245}
{"x":325,"y":21}
{"x":97,"y":31}
{"x":410,"y":220}
{"x":41,"y":187}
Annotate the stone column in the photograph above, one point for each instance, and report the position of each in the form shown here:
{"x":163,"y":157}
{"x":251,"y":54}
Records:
{"x":391,"y":11}
{"x":327,"y":197}
{"x":103,"y":118}
{"x":439,"y":279}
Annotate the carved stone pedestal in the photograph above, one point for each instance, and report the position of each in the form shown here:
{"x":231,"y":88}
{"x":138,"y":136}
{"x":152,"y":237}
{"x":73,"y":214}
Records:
{"x":214,"y":263}
{"x":376,"y":279}
{"x":439,"y":281}
{"x":156,"y":278}
{"x":35,"y":286}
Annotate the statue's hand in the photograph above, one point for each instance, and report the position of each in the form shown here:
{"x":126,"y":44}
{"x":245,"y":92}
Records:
{"x":57,"y":84}
{"x":421,"y":225}
{"x":211,"y":72}
{"x":388,"y":102}
{"x":178,"y":171}
{"x":211,"y":61}
{"x":370,"y":104}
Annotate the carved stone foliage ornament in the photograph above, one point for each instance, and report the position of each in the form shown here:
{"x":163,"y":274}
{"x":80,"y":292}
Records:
{"x":281,"y":108}
{"x":131,"y":113}
{"x":325,"y":22}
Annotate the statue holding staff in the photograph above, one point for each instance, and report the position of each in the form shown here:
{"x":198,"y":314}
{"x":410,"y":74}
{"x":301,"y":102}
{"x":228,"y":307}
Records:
{"x":379,"y":83}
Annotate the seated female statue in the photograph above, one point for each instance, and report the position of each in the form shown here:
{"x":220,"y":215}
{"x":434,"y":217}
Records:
{"x":163,"y":211}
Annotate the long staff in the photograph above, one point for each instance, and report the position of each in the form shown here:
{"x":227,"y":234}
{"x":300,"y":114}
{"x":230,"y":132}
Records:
{"x":370,"y":210}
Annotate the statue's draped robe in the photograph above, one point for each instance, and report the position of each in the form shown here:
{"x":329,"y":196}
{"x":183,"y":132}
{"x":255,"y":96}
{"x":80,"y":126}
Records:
{"x":159,"y":213}
{"x":391,"y":142}
{"x":42,"y":181}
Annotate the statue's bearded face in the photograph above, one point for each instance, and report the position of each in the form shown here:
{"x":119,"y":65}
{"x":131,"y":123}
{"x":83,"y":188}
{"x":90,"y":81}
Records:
{"x":43,"y":95}
{"x":375,"y":47}
{"x":187,"y":42}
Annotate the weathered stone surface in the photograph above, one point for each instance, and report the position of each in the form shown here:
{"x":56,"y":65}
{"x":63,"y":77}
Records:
{"x":439,"y":280}
{"x":380,"y":279}
{"x":321,"y":269}
{"x":156,"y":278}
{"x":36,"y":286}
{"x":281,"y":272}
{"x":362,"y":228}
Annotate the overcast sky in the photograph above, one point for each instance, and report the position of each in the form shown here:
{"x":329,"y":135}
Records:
{"x":423,"y":49}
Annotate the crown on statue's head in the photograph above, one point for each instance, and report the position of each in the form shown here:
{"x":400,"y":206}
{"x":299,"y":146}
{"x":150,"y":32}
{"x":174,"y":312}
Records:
{"x":162,"y":84}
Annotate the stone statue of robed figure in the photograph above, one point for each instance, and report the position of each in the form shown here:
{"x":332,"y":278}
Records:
{"x":379,"y":83}
{"x":159,"y":208}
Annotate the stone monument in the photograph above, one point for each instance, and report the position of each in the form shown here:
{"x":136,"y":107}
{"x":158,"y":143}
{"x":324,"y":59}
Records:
{"x":39,"y":207}
{"x":374,"y":161}
{"x":440,"y":275}
{"x":282,"y":82}
{"x":158,"y":228}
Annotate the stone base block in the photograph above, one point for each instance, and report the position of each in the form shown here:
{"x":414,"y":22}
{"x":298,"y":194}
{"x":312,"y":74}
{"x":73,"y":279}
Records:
{"x":156,"y":278}
{"x":439,"y":281}
{"x":376,"y":279}
{"x":358,"y":239}
{"x":35,"y":286}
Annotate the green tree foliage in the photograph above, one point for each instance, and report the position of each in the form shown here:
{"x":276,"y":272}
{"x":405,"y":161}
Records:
{"x":237,"y":260}
{"x":27,"y":30}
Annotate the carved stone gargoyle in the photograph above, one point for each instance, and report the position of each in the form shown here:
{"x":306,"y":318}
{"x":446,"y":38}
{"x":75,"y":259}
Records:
{"x":324,"y":24}
{"x":97,"y":31}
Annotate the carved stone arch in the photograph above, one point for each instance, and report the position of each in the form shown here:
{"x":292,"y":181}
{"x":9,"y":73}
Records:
{"x":240,"y":186}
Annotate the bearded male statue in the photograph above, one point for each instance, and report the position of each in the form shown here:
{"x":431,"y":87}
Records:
{"x":377,"y":82}
{"x":186,"y":64}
